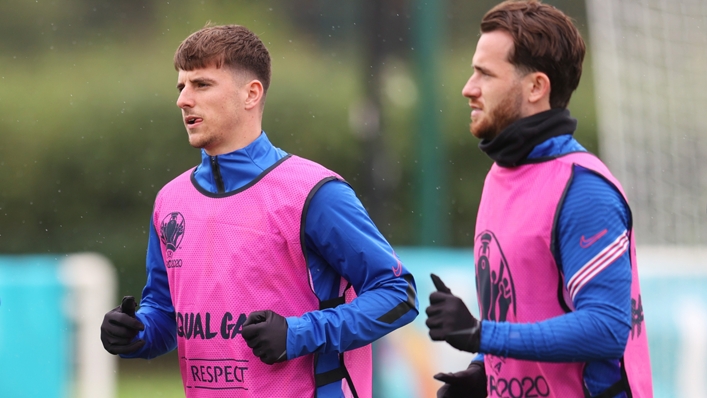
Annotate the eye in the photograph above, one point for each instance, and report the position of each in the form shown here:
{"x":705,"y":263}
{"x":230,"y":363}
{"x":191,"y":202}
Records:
{"x":482,"y":72}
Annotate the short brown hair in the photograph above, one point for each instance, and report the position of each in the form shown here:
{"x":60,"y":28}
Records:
{"x":232,"y":46}
{"x":544,"y":40}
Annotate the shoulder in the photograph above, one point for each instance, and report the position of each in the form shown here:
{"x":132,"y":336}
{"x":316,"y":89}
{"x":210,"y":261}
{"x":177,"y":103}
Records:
{"x":335,"y":204}
{"x":591,"y":197}
{"x":296,"y":161}
{"x":334,"y":191}
{"x":307,"y":172}
{"x":556,"y":146}
{"x":595,"y":185}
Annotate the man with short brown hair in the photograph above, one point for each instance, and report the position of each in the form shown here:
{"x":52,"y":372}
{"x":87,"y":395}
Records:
{"x":263,"y":268}
{"x":557,"y":283}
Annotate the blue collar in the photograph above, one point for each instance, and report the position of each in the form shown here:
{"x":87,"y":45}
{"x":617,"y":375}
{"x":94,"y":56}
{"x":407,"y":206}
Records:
{"x":556,"y":146}
{"x":230,"y":171}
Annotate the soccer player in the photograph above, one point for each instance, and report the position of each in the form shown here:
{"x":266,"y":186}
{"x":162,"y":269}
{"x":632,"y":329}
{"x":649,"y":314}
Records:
{"x":263,"y":268}
{"x":557,"y":284}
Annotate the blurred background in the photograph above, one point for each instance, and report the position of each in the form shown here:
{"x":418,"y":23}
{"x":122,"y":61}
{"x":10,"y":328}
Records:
{"x":370,"y":89}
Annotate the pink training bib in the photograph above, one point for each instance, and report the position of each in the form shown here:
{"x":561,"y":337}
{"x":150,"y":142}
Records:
{"x":230,"y":254}
{"x":519,"y":281}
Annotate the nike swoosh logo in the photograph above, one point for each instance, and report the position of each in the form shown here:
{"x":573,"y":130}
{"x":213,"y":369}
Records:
{"x":398,"y":269}
{"x":585,"y":243}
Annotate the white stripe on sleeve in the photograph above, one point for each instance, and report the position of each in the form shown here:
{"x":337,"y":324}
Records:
{"x":594,"y":266}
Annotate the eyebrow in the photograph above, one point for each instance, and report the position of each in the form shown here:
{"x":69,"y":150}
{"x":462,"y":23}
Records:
{"x":197,"y":80}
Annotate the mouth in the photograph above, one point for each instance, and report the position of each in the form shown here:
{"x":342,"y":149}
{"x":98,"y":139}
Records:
{"x":192,"y":120}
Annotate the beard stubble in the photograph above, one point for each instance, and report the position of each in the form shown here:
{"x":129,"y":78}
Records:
{"x":506,"y":112}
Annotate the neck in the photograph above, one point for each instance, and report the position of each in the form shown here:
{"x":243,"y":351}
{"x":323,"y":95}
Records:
{"x":516,"y":141}
{"x":239,"y":138}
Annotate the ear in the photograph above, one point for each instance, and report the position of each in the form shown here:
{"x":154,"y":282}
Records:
{"x":255,"y":92}
{"x":538,"y":85}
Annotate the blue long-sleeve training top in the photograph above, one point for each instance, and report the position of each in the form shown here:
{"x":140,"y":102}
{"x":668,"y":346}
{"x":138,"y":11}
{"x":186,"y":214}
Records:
{"x":599,"y":326}
{"x":340,"y":239}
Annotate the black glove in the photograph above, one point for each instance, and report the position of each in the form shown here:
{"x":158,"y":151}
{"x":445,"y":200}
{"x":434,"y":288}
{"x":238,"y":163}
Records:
{"x":266,"y":333}
{"x":120,"y":327}
{"x":448,"y":319}
{"x":469,"y":383}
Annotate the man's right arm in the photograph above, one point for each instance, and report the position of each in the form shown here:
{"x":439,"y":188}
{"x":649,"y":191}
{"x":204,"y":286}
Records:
{"x":156,"y":311}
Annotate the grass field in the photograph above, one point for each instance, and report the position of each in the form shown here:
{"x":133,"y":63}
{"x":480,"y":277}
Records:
{"x":160,"y":384}
{"x":158,"y":378}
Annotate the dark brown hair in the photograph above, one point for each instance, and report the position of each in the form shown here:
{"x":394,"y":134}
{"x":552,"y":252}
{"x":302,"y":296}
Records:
{"x":544,"y":40}
{"x":233,"y":46}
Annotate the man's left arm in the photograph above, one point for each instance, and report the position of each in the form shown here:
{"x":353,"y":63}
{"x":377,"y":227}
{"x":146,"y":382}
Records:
{"x":339,"y":233}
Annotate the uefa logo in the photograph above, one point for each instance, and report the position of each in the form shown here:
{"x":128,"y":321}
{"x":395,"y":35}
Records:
{"x":494,"y":280}
{"x":172,"y":231}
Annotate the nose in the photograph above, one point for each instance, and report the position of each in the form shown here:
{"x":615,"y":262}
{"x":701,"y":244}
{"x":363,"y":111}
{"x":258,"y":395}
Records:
{"x":471,"y":89}
{"x":185,"y":99}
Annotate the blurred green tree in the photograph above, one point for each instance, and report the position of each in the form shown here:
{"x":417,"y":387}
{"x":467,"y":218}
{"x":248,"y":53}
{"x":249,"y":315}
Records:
{"x":91,"y":131}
